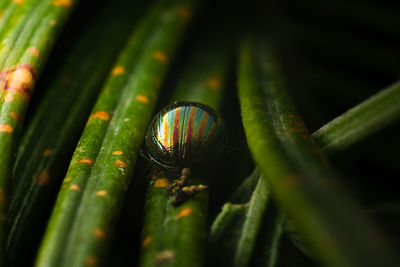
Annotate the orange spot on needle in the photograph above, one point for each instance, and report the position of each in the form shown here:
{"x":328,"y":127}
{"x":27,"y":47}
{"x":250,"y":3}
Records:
{"x":146,"y":241}
{"x":213,"y":83}
{"x":6,"y":128}
{"x":34,"y":51}
{"x":15,"y":115}
{"x":48,"y":152}
{"x":184,"y":212}
{"x":86,"y":161}
{"x":142,"y":98}
{"x":101,"y":193}
{"x":160,"y":56}
{"x":118,"y":70}
{"x":161,"y":182}
{"x":185,"y":12}
{"x":102,"y":115}
{"x":99,"y":233}
{"x":120,"y":163}
{"x":43,"y":178}
{"x":75,"y":187}
{"x":66,"y":3}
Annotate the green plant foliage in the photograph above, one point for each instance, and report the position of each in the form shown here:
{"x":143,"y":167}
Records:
{"x":49,"y":139}
{"x":98,"y":176}
{"x":28,"y":30}
{"x":252,"y":213}
{"x":357,"y":130}
{"x":72,"y":175}
{"x":173,"y":236}
{"x":297,"y":172}
{"x":252,"y":233}
{"x":203,"y":80}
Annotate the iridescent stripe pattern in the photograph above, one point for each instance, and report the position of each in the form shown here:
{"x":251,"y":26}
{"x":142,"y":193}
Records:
{"x":184,"y":134}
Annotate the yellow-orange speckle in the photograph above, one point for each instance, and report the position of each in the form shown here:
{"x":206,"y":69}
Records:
{"x":6,"y":128}
{"x":48,"y":152}
{"x":165,"y":256}
{"x":15,"y":115}
{"x":99,"y":233}
{"x":146,"y":241}
{"x":19,"y":1}
{"x":86,"y":161}
{"x":9,"y":98}
{"x":185,"y":12}
{"x":120,"y":163}
{"x":53,"y":22}
{"x":160,"y":56}
{"x":161,"y":182}
{"x":101,"y":193}
{"x":213,"y":83}
{"x":75,"y":187}
{"x":34,"y":51}
{"x":118,"y":70}
{"x":66,"y":3}
{"x":184,"y":212}
{"x":67,"y":180}
{"x":43,"y":178}
{"x":142,"y":98}
{"x":102,"y":115}
{"x":117,"y":152}
{"x":91,"y":261}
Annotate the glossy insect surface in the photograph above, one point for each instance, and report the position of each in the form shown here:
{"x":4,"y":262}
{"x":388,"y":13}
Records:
{"x":185,"y":134}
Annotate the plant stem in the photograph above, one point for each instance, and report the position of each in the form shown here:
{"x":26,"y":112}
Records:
{"x":251,"y":231}
{"x":27,"y":36}
{"x":173,"y":236}
{"x":90,"y":200}
{"x":176,"y":236}
{"x":49,"y":139}
{"x":300,"y":178}
{"x":251,"y":226}
{"x":354,"y":132}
